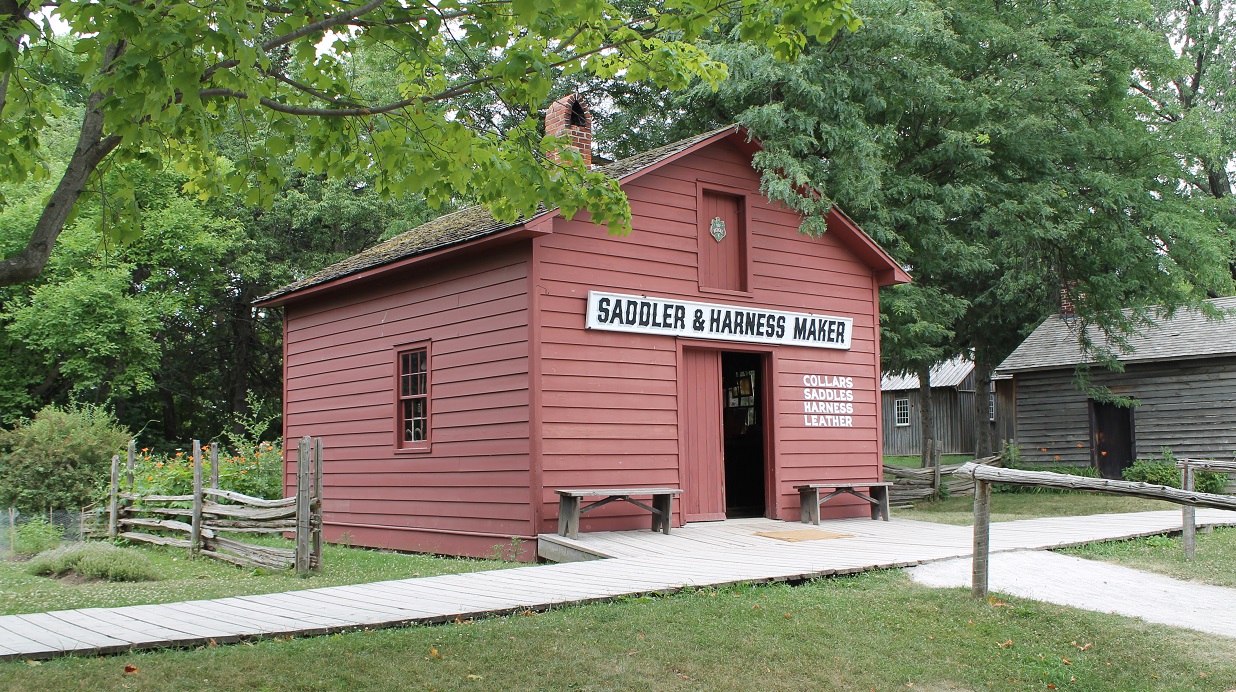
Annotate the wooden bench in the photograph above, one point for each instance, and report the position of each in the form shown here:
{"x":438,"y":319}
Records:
{"x":569,"y":508}
{"x":810,"y":500}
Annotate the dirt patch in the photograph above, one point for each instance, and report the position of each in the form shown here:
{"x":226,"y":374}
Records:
{"x":73,"y":578}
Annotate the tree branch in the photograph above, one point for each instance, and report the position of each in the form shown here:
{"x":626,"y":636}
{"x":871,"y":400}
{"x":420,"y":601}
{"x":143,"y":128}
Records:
{"x":327,"y":23}
{"x":92,"y":148}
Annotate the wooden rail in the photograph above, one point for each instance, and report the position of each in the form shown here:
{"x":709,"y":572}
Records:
{"x":913,"y":484}
{"x":1187,"y":466}
{"x":984,"y":476}
{"x":213,"y":511}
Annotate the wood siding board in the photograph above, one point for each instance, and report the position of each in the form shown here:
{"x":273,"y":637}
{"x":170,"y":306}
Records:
{"x":340,"y":364}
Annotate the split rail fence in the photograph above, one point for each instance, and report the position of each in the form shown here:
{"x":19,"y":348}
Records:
{"x":1188,"y":533}
{"x":983,"y":476}
{"x":196,"y":521}
{"x":913,"y":484}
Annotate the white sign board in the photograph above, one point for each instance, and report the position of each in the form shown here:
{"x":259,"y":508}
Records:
{"x":644,"y":315}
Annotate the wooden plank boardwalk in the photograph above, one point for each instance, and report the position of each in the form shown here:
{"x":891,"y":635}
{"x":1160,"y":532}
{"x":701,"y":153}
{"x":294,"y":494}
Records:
{"x":636,"y":562}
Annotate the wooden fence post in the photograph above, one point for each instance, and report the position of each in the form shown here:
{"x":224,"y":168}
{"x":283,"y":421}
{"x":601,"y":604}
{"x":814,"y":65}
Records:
{"x":113,"y":505}
{"x":132,"y":463}
{"x":12,"y":531}
{"x":935,"y":470}
{"x":302,"y":506}
{"x":214,"y":465}
{"x":982,"y":538}
{"x":316,"y":505}
{"x":1188,"y":531}
{"x":195,"y":533}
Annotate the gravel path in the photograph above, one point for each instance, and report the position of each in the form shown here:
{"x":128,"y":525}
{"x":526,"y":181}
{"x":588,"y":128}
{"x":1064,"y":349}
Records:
{"x":1072,"y":581}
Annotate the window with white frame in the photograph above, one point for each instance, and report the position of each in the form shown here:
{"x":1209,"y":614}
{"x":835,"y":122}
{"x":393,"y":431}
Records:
{"x":991,"y":402}
{"x":901,"y":410}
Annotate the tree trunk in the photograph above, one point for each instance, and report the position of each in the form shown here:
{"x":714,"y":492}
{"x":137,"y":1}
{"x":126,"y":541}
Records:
{"x":244,"y":342}
{"x":927,"y":417}
{"x":983,"y":424}
{"x":92,"y":147}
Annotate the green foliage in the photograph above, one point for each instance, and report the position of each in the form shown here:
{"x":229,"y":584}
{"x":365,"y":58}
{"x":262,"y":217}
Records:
{"x":256,"y":469}
{"x":295,"y":84}
{"x":58,"y":458}
{"x":1163,"y":471}
{"x":36,"y":536}
{"x":1067,"y":469}
{"x":95,"y":561}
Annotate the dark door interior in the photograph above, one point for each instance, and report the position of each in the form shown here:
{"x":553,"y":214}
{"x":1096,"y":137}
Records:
{"x":1111,"y":438}
{"x":743,"y":428}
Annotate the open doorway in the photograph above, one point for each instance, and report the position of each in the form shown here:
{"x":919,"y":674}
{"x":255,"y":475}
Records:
{"x":743,"y":429}
{"x":1112,"y":444}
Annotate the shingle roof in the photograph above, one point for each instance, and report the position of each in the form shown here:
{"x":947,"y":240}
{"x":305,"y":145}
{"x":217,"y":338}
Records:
{"x":1187,"y":334}
{"x":950,"y":373}
{"x":469,"y":224}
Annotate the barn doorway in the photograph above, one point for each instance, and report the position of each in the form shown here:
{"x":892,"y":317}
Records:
{"x":743,"y":430}
{"x":1112,"y":442}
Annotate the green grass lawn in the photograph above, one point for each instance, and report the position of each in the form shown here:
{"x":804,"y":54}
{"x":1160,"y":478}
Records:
{"x":871,"y":631}
{"x":185,"y":579}
{"x":1012,"y":506}
{"x":916,"y":461}
{"x":1215,"y":562}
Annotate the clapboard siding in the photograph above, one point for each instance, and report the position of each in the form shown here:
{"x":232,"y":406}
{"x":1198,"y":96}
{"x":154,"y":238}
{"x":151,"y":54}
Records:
{"x":610,"y":403}
{"x":907,"y":440}
{"x":340,"y":361}
{"x":1187,"y":406}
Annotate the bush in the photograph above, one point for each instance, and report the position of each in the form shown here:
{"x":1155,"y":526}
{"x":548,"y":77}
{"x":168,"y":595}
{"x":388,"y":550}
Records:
{"x":36,"y":536}
{"x":1164,"y":472}
{"x":96,"y":561}
{"x":58,"y":458}
{"x":255,"y":469}
{"x":1084,"y":471}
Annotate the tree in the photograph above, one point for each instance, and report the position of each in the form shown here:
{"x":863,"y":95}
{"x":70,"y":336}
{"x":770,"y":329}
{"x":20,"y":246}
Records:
{"x":163,"y":82}
{"x":996,"y":151}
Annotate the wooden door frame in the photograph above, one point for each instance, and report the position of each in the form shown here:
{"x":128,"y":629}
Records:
{"x":769,"y":410}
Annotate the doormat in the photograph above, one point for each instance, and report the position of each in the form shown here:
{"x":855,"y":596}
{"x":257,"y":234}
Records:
{"x":803,"y":535}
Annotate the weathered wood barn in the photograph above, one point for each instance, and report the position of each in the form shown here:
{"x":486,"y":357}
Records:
{"x":1181,"y":372}
{"x":463,"y":371}
{"x":953,"y":409}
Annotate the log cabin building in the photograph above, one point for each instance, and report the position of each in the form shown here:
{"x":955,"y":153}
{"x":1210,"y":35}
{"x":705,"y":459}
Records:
{"x":1180,"y":372}
{"x":461,"y":372}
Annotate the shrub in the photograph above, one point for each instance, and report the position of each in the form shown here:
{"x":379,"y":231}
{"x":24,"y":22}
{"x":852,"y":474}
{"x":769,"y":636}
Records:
{"x":58,"y":458}
{"x":1164,"y":472}
{"x":96,"y":561}
{"x":1084,"y":471}
{"x":36,"y":536}
{"x":255,"y":469}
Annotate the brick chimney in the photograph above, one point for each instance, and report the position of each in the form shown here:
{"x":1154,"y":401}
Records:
{"x":568,"y":117}
{"x":1068,"y":295}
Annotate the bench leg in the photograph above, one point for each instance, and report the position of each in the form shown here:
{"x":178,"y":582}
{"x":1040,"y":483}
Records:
{"x":809,"y":506}
{"x":665,"y":505}
{"x":568,"y":516}
{"x":879,"y":509}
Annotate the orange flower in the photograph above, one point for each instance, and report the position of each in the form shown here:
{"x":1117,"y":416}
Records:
{"x":180,"y":454}
{"x":1057,"y":457}
{"x":150,"y":478}
{"x":1103,"y":453}
{"x":145,"y":449}
{"x":1042,"y":449}
{"x":159,"y":465}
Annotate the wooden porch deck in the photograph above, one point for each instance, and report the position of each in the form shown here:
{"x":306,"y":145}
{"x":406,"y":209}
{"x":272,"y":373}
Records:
{"x":643,"y":562}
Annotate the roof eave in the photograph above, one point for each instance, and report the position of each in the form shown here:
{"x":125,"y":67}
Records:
{"x":530,"y":229}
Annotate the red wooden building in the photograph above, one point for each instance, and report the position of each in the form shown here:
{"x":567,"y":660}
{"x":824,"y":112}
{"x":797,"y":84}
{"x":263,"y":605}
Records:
{"x":461,"y":372}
